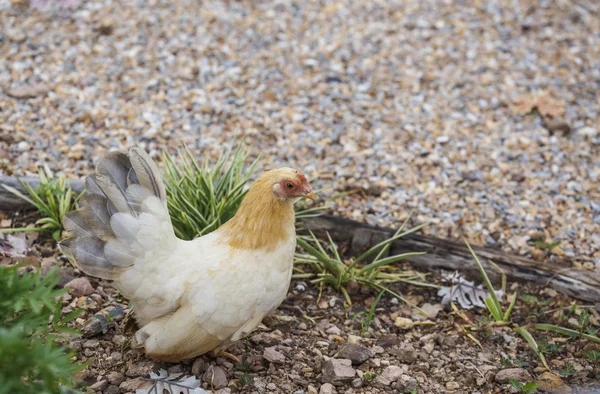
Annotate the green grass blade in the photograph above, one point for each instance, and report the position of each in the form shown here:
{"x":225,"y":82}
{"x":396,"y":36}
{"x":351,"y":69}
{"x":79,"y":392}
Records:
{"x":510,"y":307}
{"x":531,"y":341}
{"x":19,"y":194}
{"x":566,"y":331}
{"x":388,"y":241}
{"x":386,"y":261}
{"x":485,"y":277}
{"x":494,"y":309}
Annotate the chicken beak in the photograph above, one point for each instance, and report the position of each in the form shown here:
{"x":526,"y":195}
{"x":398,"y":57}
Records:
{"x":311,"y":196}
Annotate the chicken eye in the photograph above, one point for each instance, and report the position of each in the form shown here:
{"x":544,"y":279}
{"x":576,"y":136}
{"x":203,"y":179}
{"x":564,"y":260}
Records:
{"x":289,"y":185}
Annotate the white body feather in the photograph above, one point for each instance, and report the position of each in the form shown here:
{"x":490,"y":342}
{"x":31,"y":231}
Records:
{"x":228,"y":290}
{"x":190,"y":297}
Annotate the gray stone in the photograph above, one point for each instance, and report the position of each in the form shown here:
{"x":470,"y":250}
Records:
{"x":334,"y":330}
{"x":99,"y":386}
{"x":358,"y":354}
{"x":112,"y":389}
{"x":338,"y":370}
{"x":392,"y":373}
{"x":175,"y":369}
{"x":273,"y":356}
{"x":405,"y":352}
{"x":327,"y":388}
{"x":91,"y":344}
{"x":357,"y":383}
{"x":406,"y":384}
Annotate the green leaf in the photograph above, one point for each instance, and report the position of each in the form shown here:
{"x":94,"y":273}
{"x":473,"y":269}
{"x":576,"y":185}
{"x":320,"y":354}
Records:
{"x":543,"y":245}
{"x":531,"y":341}
{"x":387,"y":242}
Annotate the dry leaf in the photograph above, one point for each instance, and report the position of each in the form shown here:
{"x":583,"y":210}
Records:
{"x":14,"y":245}
{"x":543,"y":102}
{"x":465,"y":293}
{"x":172,"y":384}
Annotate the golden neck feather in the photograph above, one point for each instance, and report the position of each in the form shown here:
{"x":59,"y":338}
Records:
{"x":262,"y":221}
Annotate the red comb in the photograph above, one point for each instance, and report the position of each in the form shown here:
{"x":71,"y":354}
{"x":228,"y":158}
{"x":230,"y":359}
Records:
{"x":302,"y":178}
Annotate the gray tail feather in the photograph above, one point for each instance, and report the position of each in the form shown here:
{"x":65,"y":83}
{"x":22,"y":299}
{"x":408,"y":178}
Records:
{"x":105,"y":195}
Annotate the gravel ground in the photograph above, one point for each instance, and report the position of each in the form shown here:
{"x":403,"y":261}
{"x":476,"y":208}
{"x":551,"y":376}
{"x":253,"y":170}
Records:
{"x":319,"y":346}
{"x":410,"y":102}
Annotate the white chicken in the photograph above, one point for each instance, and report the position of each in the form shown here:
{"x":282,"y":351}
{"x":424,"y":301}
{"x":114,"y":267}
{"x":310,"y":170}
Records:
{"x":189,"y":297}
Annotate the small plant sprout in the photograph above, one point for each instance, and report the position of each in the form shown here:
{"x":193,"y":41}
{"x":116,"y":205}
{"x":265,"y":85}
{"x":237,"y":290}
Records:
{"x":526,"y":388}
{"x":567,"y":371}
{"x":566,"y":331}
{"x":495,"y":308}
{"x":549,"y":348}
{"x":545,"y":246}
{"x":369,"y":376}
{"x":492,"y":302}
{"x":53,"y":198}
{"x":332,"y":270}
{"x":593,"y":355}
{"x":201,"y":198}
{"x":532,"y":343}
{"x":366,"y":322}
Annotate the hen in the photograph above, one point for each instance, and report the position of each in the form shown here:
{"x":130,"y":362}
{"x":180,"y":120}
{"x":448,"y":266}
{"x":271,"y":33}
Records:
{"x":189,"y":297}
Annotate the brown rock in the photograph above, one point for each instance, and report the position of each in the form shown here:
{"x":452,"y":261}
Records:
{"x":28,"y":91}
{"x":518,"y":374}
{"x":388,"y":340}
{"x":215,"y":376}
{"x":140,"y":369}
{"x":80,"y":287}
{"x":106,"y":27}
{"x":198,"y":367}
{"x":353,"y":287}
{"x":557,"y":125}
{"x":552,"y":383}
{"x":131,"y":385}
